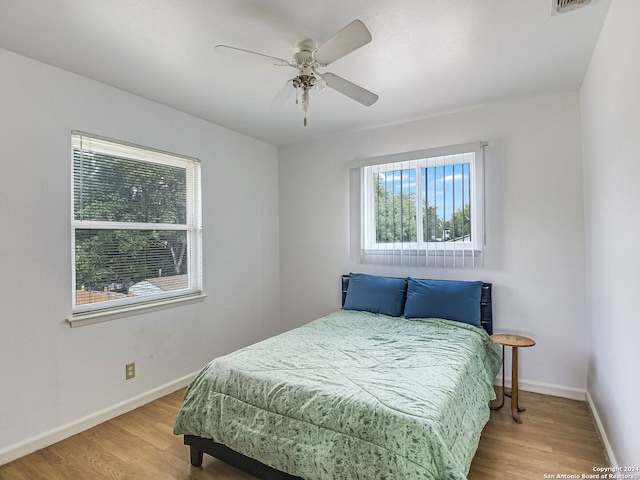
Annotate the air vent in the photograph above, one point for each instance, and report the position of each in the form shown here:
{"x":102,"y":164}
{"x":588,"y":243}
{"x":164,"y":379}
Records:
{"x":564,"y":6}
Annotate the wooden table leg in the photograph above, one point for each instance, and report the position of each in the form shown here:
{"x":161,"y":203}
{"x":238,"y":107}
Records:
{"x":498,"y":407}
{"x":515,"y":407}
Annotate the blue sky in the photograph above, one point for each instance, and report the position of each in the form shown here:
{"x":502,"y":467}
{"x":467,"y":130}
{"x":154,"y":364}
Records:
{"x":446,"y":187}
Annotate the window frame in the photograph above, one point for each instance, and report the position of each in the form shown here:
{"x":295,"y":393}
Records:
{"x":421,"y":252}
{"x":92,"y":312}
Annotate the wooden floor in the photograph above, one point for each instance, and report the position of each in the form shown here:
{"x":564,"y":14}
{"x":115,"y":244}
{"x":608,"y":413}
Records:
{"x":557,"y":437}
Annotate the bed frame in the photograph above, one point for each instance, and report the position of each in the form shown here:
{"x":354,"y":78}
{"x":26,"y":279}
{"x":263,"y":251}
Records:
{"x":198,"y":446}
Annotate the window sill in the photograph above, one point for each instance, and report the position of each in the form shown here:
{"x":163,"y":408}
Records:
{"x":82,"y":319}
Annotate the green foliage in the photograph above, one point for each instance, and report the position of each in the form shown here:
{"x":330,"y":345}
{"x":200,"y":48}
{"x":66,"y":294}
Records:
{"x":122,"y":190}
{"x":459,"y":225}
{"x":105,"y":257}
{"x":432,"y":224}
{"x":395,"y":214}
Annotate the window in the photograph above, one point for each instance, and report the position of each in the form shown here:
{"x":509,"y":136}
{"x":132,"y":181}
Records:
{"x":423,"y":208}
{"x":135,"y":225}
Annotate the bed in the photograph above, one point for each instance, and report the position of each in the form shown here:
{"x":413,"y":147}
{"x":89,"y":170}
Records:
{"x":375,"y":390}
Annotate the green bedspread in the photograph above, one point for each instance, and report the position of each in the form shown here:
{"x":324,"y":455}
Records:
{"x":353,"y":395}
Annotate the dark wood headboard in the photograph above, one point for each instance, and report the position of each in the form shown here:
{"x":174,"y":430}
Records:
{"x":486,"y":313}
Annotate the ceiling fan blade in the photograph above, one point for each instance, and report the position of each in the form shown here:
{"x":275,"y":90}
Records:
{"x":350,"y":38}
{"x":282,"y":96}
{"x":239,"y":52}
{"x":350,"y":89}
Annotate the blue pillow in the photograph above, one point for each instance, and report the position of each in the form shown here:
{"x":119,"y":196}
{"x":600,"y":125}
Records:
{"x":446,"y":299}
{"x":376,"y":294}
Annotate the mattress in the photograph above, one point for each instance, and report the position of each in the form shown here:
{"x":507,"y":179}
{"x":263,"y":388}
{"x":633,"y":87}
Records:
{"x":353,"y":395}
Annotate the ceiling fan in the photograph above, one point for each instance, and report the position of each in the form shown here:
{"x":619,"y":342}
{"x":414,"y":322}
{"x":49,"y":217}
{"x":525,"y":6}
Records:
{"x":309,"y":57}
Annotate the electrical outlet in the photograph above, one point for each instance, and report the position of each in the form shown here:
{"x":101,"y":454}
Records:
{"x":130,"y":370}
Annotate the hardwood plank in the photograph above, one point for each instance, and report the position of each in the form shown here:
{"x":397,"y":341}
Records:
{"x":557,"y":436}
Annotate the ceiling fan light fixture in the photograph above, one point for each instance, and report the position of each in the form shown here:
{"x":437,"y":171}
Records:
{"x":304,"y":81}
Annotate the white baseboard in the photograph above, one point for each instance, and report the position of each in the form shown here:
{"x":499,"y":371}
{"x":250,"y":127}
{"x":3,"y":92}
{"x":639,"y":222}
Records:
{"x":545,"y":388}
{"x":603,"y":436}
{"x":30,"y":445}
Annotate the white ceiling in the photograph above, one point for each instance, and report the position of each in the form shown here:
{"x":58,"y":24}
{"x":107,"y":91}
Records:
{"x":426,"y":57}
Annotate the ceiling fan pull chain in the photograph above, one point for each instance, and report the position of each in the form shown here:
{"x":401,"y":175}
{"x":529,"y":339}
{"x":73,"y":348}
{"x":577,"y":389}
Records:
{"x":305,"y":103}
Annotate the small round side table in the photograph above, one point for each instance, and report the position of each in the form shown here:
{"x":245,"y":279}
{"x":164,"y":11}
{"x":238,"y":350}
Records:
{"x":513,"y":341}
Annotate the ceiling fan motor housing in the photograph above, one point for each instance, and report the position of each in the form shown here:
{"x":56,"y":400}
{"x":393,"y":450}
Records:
{"x":304,"y":56}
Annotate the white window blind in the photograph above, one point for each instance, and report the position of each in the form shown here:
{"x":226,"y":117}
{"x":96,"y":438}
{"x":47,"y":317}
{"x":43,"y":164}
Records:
{"x":136,"y":225}
{"x":422,"y":208}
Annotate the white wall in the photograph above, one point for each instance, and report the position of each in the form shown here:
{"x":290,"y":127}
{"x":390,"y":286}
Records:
{"x":52,"y":375}
{"x":535,"y":225}
{"x":611,"y":139}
